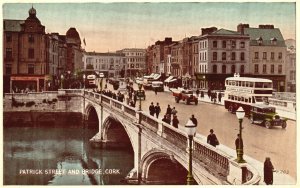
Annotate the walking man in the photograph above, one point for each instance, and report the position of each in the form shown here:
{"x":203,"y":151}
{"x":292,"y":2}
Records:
{"x":194,"y":120}
{"x":212,"y":138}
{"x":152,"y":109}
{"x":268,"y":171}
{"x":175,"y":122}
{"x":169,"y":110}
{"x":157,"y":109}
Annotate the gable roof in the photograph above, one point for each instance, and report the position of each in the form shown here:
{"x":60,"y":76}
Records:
{"x":266,"y":35}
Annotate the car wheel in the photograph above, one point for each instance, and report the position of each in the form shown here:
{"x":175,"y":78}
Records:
{"x":196,"y":102}
{"x":268,"y":124}
{"x":187,"y":101}
{"x":284,"y":125}
{"x":176,"y":99}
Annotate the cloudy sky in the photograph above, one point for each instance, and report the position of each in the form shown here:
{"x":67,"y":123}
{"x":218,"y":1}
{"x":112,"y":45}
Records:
{"x":113,"y":26}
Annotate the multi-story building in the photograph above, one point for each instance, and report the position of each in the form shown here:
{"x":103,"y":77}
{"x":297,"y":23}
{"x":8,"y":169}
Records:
{"x":195,"y":61}
{"x":24,"y":54}
{"x":74,"y":51}
{"x":159,"y":56}
{"x":110,"y":64}
{"x":34,"y":60}
{"x":177,"y":59}
{"x":267,"y":53}
{"x":135,"y":59}
{"x":291,"y":69}
{"x":149,"y":60}
{"x":221,"y":54}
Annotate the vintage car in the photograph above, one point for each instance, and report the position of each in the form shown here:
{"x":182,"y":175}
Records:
{"x":185,"y":95}
{"x":267,"y":116}
{"x":140,"y":93}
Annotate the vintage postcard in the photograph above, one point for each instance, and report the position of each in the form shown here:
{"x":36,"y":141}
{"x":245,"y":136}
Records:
{"x":149,"y":93}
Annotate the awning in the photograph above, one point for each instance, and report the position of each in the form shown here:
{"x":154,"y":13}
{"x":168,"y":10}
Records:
{"x":173,"y":80}
{"x":168,"y":79}
{"x":156,"y":76}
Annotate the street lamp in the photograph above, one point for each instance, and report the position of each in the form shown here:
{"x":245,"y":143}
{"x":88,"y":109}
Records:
{"x":84,"y":81}
{"x":101,"y":76}
{"x":61,"y":81}
{"x":240,"y":114}
{"x":140,"y":96}
{"x":190,"y":130}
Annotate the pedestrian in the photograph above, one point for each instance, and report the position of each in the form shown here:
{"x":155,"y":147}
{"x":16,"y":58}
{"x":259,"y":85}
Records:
{"x":212,"y":138}
{"x":239,"y":143}
{"x":155,"y":91}
{"x":157,"y":109}
{"x":220,"y":97}
{"x":268,"y":171}
{"x":175,"y":122}
{"x":152,"y":109}
{"x":194,"y":120}
{"x":197,"y":92}
{"x":202,"y":94}
{"x":174,"y":111}
{"x":165,"y":119}
{"x":209,"y":93}
{"x":169,"y":110}
{"x":168,"y":117}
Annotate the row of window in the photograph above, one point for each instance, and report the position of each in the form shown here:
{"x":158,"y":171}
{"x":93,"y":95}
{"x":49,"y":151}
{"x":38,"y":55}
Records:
{"x":232,"y":57}
{"x":9,"y":53}
{"x":265,"y":55}
{"x":233,"y":44}
{"x":30,"y":69}
{"x":135,"y":59}
{"x":9,"y":38}
{"x":224,"y":69}
{"x":264,"y":69}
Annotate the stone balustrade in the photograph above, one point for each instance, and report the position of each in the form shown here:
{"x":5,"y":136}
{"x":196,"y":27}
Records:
{"x":213,"y":160}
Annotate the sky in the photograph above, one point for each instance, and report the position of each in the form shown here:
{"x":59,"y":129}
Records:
{"x":111,"y":26}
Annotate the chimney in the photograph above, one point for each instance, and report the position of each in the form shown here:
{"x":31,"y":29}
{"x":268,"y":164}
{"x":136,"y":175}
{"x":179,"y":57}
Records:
{"x":266,"y":26}
{"x":209,"y":30}
{"x":241,"y":27}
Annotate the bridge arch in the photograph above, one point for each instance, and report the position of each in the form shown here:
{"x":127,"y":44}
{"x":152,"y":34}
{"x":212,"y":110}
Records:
{"x":91,"y":117}
{"x":160,"y":167}
{"x":116,"y":133}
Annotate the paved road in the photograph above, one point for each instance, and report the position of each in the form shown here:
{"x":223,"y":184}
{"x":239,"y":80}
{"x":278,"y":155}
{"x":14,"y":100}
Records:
{"x":277,"y":143}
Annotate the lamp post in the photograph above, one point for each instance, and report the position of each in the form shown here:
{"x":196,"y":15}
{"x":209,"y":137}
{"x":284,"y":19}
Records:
{"x":140,"y":96}
{"x":101,"y":82}
{"x":83,"y":119}
{"x":191,"y":130}
{"x":240,"y":114}
{"x":61,"y":81}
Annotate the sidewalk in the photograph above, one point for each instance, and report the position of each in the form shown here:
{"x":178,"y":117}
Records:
{"x":279,"y":178}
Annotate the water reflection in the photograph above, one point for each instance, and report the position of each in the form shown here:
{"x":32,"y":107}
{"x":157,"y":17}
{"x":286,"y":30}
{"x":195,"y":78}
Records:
{"x":60,"y":156}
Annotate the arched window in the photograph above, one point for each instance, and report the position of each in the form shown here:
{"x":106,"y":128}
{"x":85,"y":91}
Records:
{"x":215,"y":69}
{"x":242,"y":69}
{"x":223,"y":69}
{"x":232,"y":68}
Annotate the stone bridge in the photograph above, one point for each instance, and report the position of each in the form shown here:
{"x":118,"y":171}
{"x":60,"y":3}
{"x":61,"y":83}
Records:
{"x":159,"y":147}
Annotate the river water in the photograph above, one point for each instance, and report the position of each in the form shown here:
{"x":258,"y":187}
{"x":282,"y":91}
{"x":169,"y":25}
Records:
{"x":60,"y":156}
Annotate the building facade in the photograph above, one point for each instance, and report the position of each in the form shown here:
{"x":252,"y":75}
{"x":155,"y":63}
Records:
{"x":267,"y":54}
{"x":110,"y":64}
{"x":25,"y":61}
{"x":135,"y":59}
{"x":221,"y":54}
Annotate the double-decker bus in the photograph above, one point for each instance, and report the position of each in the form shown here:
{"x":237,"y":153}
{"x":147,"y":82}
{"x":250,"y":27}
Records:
{"x":246,"y":92}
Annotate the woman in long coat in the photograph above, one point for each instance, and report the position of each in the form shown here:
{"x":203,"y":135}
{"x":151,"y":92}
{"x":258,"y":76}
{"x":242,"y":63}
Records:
{"x":268,"y":171}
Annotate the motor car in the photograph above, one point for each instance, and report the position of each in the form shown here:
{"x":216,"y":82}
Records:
{"x":267,"y":116}
{"x":185,"y":95}
{"x":140,"y":93}
{"x":158,"y":86}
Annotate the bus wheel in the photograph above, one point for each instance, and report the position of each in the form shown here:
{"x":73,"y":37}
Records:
{"x":251,"y":119}
{"x":230,"y":109}
{"x":268,"y":124}
{"x":283,"y":125}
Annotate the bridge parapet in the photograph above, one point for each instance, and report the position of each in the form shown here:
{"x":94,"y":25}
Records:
{"x":215,"y":161}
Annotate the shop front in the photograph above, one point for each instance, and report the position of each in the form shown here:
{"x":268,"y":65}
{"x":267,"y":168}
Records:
{"x":25,"y":83}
